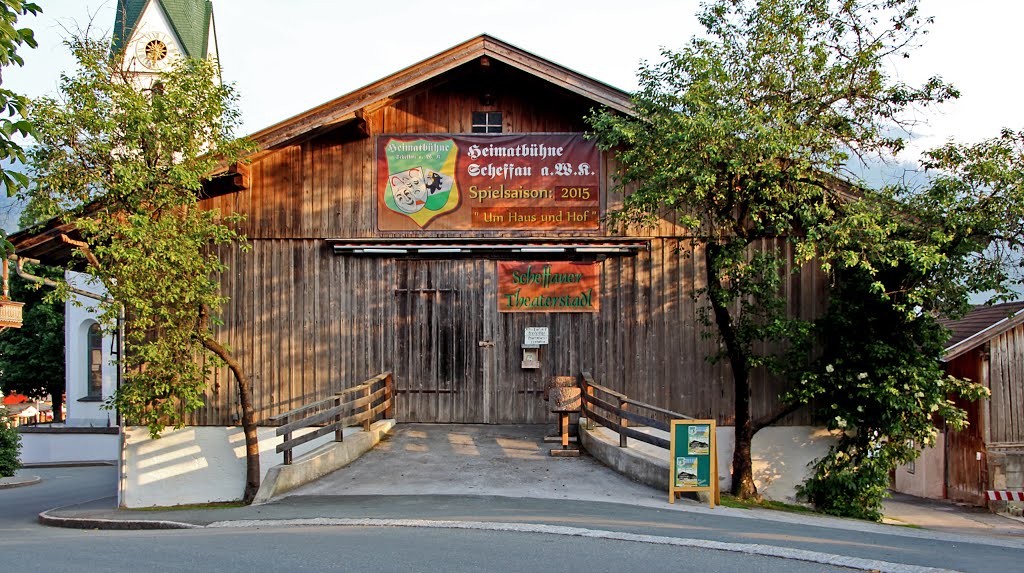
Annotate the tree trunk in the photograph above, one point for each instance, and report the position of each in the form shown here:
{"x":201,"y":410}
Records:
{"x":57,"y":403}
{"x":252,"y":443}
{"x":742,"y":466}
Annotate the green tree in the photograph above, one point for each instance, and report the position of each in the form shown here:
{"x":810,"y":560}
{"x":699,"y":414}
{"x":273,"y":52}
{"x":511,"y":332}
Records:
{"x":124,"y":161}
{"x":13,"y":107}
{"x":13,"y":120}
{"x":32,"y":357}
{"x":879,"y":378}
{"x":739,"y":137}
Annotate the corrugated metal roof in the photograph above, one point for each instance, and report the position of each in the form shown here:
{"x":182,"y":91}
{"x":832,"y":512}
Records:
{"x":190,"y":20}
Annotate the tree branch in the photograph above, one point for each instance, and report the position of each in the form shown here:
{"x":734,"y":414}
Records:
{"x":782,"y":412}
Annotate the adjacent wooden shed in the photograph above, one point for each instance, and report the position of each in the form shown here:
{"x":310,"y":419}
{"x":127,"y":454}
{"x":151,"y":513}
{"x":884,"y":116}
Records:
{"x":987,"y":347}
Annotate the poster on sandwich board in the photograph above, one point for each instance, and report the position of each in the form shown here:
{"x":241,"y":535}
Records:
{"x":693,"y":459}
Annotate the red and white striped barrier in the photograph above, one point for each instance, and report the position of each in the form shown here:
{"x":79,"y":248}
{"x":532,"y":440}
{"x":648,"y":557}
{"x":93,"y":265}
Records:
{"x":1005,"y":495}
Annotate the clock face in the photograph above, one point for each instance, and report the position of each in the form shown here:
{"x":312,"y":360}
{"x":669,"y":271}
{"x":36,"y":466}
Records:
{"x":154,"y":51}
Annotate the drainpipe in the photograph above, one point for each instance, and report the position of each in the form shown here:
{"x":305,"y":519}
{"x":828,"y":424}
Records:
{"x":20,"y":266}
{"x":20,"y":262}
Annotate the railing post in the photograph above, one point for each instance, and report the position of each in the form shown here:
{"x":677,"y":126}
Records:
{"x":287,"y":438}
{"x":369,"y":406}
{"x":623,"y":422}
{"x":339,"y":432}
{"x":590,"y":394}
{"x":389,"y":411}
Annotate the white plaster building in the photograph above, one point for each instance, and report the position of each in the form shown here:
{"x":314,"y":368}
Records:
{"x":90,"y":374}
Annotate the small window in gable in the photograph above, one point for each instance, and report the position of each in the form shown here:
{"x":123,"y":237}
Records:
{"x":487,"y":122}
{"x":94,"y":360}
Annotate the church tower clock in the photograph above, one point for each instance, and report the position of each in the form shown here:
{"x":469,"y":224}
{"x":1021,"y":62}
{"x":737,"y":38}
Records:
{"x":152,"y":34}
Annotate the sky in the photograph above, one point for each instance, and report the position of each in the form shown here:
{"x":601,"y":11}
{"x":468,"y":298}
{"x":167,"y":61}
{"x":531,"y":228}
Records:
{"x":287,"y":57}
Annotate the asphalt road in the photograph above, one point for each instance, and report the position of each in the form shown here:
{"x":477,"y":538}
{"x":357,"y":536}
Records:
{"x":278,"y":536}
{"x":27,"y":546}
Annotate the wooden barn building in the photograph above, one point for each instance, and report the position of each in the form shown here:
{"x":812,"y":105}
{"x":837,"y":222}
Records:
{"x":427,"y":223}
{"x":423,"y":223}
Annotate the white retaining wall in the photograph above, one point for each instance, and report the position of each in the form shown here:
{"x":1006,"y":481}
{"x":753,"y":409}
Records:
{"x":780,"y":455}
{"x":195,"y":464}
{"x":58,"y":447}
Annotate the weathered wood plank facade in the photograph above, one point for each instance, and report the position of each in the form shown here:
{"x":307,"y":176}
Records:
{"x":307,"y":322}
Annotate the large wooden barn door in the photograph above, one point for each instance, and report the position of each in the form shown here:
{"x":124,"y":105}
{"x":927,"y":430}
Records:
{"x":438,"y":372}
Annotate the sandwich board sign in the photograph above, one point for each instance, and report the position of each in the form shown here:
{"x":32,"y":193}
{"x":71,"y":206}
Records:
{"x":693,"y":460}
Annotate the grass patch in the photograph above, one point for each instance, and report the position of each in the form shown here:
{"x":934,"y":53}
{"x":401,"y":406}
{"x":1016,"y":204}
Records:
{"x":730,"y":501}
{"x":898,"y":523}
{"x":211,"y":505}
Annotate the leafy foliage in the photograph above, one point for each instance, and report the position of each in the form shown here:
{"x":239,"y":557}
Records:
{"x":13,"y":107}
{"x":880,"y":383}
{"x":739,"y":138}
{"x":10,"y":446}
{"x":879,"y":378}
{"x":124,"y":161}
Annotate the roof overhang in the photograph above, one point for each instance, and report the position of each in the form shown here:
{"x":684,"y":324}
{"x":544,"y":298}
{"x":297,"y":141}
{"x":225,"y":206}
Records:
{"x":983,"y":336}
{"x":50,"y":243}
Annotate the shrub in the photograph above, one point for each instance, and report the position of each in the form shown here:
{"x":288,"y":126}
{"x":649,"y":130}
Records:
{"x":10,"y":446}
{"x":851,"y":481}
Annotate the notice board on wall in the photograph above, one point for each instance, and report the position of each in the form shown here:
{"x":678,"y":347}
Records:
{"x":693,"y":461}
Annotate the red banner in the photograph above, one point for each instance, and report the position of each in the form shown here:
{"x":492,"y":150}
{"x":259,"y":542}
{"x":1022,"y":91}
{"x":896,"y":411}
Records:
{"x":488,"y":182}
{"x":554,"y":286}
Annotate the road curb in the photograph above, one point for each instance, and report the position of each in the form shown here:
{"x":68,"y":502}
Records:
{"x":746,"y":548}
{"x":8,"y":483}
{"x":50,"y":518}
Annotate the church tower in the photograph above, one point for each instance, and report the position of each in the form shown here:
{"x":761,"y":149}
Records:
{"x":153,"y":33}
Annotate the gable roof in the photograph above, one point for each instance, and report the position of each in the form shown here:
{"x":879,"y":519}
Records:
{"x":352,"y":105}
{"x":980,"y":325}
{"x":48,"y":242}
{"x":190,"y":20}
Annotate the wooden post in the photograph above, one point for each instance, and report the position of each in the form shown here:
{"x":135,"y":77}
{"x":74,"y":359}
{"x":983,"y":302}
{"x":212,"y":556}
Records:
{"x":623,"y":423}
{"x":369,"y":406}
{"x":590,"y":394}
{"x":389,"y":412}
{"x":339,"y":432}
{"x":288,"y":438}
{"x":563,"y":428}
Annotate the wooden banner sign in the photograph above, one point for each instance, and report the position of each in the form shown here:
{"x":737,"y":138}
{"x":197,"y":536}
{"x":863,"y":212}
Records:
{"x":553,"y":286}
{"x":491,"y":183}
{"x":693,"y":459}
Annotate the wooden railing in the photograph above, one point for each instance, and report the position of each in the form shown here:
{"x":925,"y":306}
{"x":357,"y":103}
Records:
{"x":353,"y":406}
{"x":613,"y":410}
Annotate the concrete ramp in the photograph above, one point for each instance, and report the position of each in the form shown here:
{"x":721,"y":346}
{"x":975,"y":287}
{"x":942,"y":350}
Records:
{"x":321,"y":461}
{"x":461,"y":459}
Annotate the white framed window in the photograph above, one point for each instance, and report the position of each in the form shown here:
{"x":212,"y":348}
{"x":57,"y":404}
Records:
{"x":94,"y":362}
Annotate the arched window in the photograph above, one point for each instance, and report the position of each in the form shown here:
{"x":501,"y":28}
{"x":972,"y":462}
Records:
{"x":95,"y":362}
